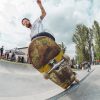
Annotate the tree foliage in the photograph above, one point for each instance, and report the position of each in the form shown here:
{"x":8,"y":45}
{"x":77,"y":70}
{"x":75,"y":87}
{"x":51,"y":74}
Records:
{"x":86,"y":38}
{"x":80,"y":38}
{"x":96,"y":33}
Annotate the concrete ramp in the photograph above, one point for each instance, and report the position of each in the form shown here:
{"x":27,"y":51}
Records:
{"x":22,"y":82}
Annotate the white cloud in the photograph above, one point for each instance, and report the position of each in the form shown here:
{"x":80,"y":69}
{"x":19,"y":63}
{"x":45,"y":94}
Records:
{"x":62,"y":16}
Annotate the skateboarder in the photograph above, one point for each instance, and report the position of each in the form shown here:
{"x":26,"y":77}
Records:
{"x":37,"y":27}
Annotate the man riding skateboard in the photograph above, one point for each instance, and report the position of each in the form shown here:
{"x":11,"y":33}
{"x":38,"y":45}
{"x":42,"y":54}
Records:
{"x":43,"y":49}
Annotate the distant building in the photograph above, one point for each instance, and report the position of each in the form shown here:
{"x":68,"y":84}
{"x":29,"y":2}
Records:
{"x":25,"y":51}
{"x":20,"y":54}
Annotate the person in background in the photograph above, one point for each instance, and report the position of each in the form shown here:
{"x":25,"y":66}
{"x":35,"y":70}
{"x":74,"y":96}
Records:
{"x":10,"y":54}
{"x":2,"y":49}
{"x":89,"y":66}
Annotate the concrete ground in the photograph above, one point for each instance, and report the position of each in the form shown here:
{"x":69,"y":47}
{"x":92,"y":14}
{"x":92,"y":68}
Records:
{"x":89,"y":89}
{"x":23,"y":82}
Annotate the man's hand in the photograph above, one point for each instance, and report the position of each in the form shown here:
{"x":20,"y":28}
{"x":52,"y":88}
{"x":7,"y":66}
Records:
{"x":39,"y":1}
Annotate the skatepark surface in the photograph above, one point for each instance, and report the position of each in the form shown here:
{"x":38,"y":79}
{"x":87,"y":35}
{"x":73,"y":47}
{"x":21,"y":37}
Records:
{"x":22,"y":82}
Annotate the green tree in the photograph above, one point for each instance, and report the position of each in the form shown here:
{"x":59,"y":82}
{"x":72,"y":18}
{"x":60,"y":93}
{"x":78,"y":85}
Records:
{"x":80,"y":38}
{"x":96,"y":32}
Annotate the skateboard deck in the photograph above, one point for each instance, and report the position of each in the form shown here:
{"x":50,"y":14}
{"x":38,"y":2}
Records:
{"x":44,"y":54}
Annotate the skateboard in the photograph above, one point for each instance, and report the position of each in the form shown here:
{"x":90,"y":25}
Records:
{"x":48,"y":58}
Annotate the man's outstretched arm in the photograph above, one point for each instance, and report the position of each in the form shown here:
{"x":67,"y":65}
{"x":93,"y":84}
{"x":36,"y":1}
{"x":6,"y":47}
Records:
{"x":42,"y":9}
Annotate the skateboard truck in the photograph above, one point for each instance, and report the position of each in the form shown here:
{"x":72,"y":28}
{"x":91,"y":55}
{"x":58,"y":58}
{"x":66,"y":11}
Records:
{"x":46,"y":75}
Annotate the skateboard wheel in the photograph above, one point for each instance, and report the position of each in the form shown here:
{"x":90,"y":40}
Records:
{"x":46,"y":75}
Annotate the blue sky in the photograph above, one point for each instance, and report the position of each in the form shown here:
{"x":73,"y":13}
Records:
{"x":62,"y":17}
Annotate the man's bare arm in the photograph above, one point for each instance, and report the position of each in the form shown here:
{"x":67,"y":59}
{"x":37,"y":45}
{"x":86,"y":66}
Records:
{"x":42,"y":9}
